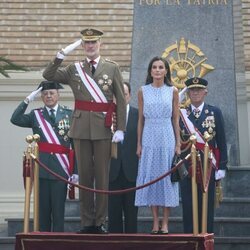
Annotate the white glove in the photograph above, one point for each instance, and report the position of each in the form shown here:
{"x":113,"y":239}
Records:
{"x":68,"y":49}
{"x":182,"y":95}
{"x":31,"y":97}
{"x":220,"y":174}
{"x":74,"y":178}
{"x":118,"y":136}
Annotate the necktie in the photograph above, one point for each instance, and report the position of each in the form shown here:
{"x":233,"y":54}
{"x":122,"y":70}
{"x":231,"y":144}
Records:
{"x":196,"y":113}
{"x":92,"y":67}
{"x":52,"y":116}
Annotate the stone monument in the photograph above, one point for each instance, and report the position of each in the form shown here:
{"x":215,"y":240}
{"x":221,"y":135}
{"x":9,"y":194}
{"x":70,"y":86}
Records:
{"x":197,"y":39}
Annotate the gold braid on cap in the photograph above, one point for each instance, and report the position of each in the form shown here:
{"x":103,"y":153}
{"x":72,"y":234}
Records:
{"x":89,"y":32}
{"x":195,"y":80}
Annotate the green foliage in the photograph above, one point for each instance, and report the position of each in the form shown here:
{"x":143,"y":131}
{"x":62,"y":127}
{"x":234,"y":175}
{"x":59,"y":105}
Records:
{"x":6,"y":64}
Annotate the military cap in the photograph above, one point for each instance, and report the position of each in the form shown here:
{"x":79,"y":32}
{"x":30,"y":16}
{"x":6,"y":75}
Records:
{"x":50,"y":85}
{"x":91,"y":34}
{"x":196,"y":82}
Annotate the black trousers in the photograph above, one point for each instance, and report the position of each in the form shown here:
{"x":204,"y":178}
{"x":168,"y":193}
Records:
{"x":52,"y":196}
{"x":122,"y":205}
{"x":186,"y":196}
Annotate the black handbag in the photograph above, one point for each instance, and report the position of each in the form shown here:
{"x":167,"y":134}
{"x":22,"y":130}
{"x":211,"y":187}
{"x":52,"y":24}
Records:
{"x":181,"y":172}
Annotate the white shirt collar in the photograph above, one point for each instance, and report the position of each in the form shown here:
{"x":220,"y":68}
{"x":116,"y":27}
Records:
{"x":128,"y":108}
{"x":55,"y":108}
{"x":127,"y":113}
{"x":96,"y":60}
{"x":200,"y":107}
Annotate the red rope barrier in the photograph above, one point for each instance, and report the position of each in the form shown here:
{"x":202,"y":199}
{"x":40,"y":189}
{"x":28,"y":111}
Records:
{"x":106,"y":191}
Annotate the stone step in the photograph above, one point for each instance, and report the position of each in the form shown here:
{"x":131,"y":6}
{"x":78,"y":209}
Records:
{"x":7,"y":243}
{"x":224,"y":226}
{"x":231,"y":207}
{"x":230,"y":243}
{"x":229,"y":227}
{"x":236,"y":183}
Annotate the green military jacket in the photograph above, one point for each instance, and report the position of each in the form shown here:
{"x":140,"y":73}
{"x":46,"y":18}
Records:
{"x":61,"y":128}
{"x":86,"y":124}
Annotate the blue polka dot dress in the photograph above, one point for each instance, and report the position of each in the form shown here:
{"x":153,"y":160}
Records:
{"x":158,"y":145}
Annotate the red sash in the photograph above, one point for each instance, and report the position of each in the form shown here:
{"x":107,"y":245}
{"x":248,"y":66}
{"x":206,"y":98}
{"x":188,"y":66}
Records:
{"x":216,"y":152}
{"x":200,"y":141}
{"x":98,"y":107}
{"x":64,"y":155}
{"x":46,"y":147}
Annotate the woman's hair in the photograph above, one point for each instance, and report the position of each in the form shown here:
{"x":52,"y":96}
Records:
{"x":167,"y":77}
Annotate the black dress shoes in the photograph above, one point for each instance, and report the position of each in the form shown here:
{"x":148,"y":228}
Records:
{"x":101,"y":230}
{"x":93,"y":230}
{"x":87,"y":230}
{"x":163,"y":231}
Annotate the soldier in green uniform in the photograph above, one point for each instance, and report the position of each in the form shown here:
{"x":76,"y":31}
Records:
{"x":95,"y":83}
{"x":53,"y":127}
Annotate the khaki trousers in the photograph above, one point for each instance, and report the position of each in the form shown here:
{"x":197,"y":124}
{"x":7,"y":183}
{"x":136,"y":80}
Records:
{"x":93,"y":159}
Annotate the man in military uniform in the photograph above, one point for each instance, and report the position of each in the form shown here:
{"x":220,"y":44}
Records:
{"x":197,"y":118}
{"x":51,"y":123}
{"x":95,"y":82}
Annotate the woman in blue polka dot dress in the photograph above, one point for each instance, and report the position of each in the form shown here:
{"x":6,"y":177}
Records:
{"x":158,"y":140}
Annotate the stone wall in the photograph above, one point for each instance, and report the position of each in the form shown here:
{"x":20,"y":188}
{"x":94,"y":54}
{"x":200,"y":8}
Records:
{"x":246,"y":29}
{"x":246,"y":32}
{"x":32,"y":31}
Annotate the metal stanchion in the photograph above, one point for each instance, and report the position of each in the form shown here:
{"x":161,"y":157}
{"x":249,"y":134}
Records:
{"x":194,"y":186}
{"x":207,"y":137}
{"x":36,"y":138}
{"x":28,"y":186}
{"x":205,"y":192}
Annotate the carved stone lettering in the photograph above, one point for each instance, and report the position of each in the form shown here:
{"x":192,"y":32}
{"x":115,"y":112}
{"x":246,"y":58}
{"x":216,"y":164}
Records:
{"x":150,"y":2}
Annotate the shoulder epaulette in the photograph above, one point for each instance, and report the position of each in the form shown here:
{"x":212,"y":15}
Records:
{"x":108,"y":60}
{"x":65,"y":107}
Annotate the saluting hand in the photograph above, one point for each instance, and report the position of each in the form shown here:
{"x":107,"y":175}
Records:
{"x":65,"y":51}
{"x":182,"y":94}
{"x":31,"y":97}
